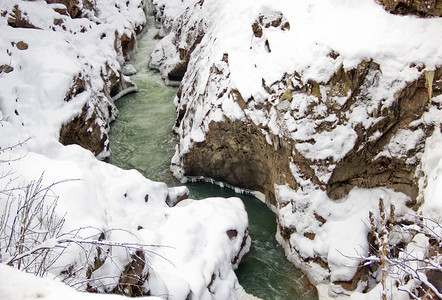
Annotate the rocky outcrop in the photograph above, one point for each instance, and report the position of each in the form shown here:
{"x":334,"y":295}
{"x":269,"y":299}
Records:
{"x":422,"y":8}
{"x":84,"y":130}
{"x":368,"y":166}
{"x":17,"y":19}
{"x":99,"y":83}
{"x":274,"y":19}
{"x":184,"y":39}
{"x":90,"y":128}
{"x":73,"y":8}
{"x":133,"y":278}
{"x":327,"y":126}
{"x":238,"y":153}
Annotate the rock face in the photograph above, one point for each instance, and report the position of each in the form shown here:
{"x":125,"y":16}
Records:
{"x":423,"y":8}
{"x":185,"y":37}
{"x":73,"y":8}
{"x":367,"y":165}
{"x":132,"y":279}
{"x":86,"y":132}
{"x":239,"y":154}
{"x":268,"y":103}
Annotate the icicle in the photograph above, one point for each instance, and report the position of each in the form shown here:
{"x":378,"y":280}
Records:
{"x":429,"y":76}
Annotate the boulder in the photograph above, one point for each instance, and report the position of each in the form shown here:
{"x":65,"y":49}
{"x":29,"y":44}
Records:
{"x":86,"y":132}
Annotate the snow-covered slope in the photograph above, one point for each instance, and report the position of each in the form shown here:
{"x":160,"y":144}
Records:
{"x":21,"y":286}
{"x":108,"y":230}
{"x":324,"y":106}
{"x":68,"y":65}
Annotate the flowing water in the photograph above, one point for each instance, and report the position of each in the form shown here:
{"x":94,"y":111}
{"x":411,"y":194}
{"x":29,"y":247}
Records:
{"x":142,"y":139}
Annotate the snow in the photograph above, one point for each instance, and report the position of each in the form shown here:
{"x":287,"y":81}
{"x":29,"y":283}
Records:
{"x":21,"y":286}
{"x":334,"y":144}
{"x":185,"y":244}
{"x":402,"y":143}
{"x":374,"y":34}
{"x":129,"y":70}
{"x":325,"y":36}
{"x":432,"y":166}
{"x":342,"y":239}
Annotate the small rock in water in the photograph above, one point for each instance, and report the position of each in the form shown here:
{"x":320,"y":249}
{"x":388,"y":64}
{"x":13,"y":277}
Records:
{"x":129,"y":70}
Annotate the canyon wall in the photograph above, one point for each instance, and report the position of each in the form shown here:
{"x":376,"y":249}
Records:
{"x":282,"y":99}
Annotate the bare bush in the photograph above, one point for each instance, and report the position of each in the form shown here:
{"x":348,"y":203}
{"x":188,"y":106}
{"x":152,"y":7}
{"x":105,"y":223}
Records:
{"x":408,"y":253}
{"x":27,"y":223}
{"x":33,"y":239}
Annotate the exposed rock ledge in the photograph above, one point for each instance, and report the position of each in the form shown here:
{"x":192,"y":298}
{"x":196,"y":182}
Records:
{"x":328,"y":125}
{"x":423,"y":8}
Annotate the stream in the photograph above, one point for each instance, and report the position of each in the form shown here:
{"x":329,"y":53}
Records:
{"x":142,"y":139}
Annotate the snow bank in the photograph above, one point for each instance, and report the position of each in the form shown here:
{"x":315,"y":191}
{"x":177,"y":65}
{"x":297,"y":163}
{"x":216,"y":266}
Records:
{"x":188,"y":246}
{"x":332,"y":231}
{"x":21,"y":286}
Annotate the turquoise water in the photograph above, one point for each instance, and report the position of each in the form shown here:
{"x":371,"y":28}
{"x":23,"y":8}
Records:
{"x":265,"y":271}
{"x":142,"y":139}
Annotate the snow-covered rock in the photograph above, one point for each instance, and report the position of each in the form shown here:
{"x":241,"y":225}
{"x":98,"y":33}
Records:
{"x":73,"y":54}
{"x":189,"y":24}
{"x":423,"y":8}
{"x":321,"y":105}
{"x":21,"y":286}
{"x":106,"y":229}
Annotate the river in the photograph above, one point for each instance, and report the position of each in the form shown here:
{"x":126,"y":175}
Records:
{"x":142,"y":139}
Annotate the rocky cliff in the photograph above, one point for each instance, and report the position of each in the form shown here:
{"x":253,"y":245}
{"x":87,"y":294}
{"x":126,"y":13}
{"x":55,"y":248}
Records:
{"x":113,"y":31}
{"x":305,"y":101}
